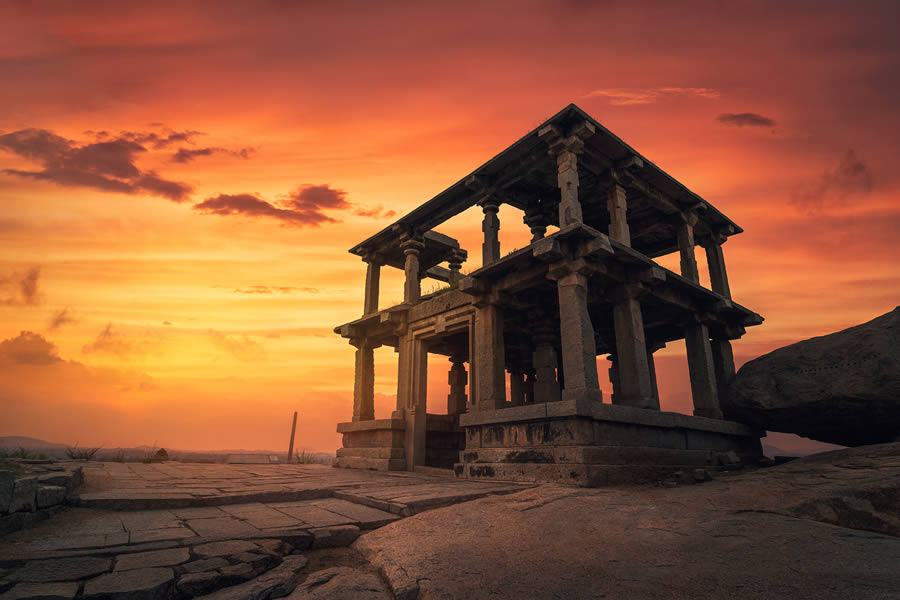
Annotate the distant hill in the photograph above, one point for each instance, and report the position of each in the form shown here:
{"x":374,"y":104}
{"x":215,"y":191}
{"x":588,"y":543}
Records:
{"x":20,"y":441}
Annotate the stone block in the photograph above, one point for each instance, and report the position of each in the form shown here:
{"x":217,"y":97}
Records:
{"x":276,"y":583}
{"x":224,"y":548}
{"x":138,"y":584}
{"x":371,"y":452}
{"x":63,"y":480}
{"x":60,"y":569}
{"x":61,"y":590}
{"x":155,"y":558}
{"x":258,"y":562}
{"x":344,"y":582}
{"x":238,"y":573}
{"x":204,"y":564}
{"x":374,"y":464}
{"x":7,"y":485}
{"x":191,"y":585}
{"x":24,"y":493}
{"x":334,"y":536}
{"x":50,"y":495}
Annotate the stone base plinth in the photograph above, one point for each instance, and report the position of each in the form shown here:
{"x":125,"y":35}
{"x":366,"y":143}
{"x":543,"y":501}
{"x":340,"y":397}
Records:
{"x":587,"y":443}
{"x":375,"y":444}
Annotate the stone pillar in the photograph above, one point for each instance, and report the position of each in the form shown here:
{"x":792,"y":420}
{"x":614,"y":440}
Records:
{"x":536,"y":221}
{"x":457,"y":258}
{"x":529,"y":386}
{"x":579,"y":350}
{"x":618,"y":221}
{"x":403,"y":373}
{"x":686,"y":247}
{"x":723,"y":364}
{"x":715,"y":259}
{"x":516,"y":387}
{"x":614,"y":379}
{"x":546,"y":387}
{"x":490,"y":249}
{"x":489,"y":360}
{"x":411,"y":288}
{"x":416,"y":411}
{"x":631,"y":350}
{"x":364,"y":381}
{"x":457,"y":378}
{"x":567,"y":178}
{"x":373,"y":279}
{"x":654,"y":385}
{"x":702,"y":372}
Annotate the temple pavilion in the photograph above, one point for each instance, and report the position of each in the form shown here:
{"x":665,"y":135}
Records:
{"x":523,"y":333}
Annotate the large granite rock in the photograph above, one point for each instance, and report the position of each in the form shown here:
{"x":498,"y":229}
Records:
{"x":842,"y":388}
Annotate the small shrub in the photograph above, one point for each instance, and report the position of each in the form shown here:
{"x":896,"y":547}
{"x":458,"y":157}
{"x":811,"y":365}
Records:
{"x":118,"y":456}
{"x":76,"y":453}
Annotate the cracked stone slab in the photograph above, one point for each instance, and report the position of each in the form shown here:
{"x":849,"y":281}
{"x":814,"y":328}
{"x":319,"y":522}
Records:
{"x":204,"y":564}
{"x":138,"y":584}
{"x":61,"y":590}
{"x":275,"y":583}
{"x":335,"y":536}
{"x":154,"y":558}
{"x":61,"y":569}
{"x":224,"y":548}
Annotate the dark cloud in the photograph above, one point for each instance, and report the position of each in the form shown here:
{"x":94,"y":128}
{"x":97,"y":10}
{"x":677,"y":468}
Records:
{"x":302,"y":207}
{"x":376,"y":213}
{"x":60,"y":318}
{"x":850,"y":177}
{"x":28,"y":348}
{"x":107,"y":164}
{"x":745,"y":120}
{"x":265,"y":289}
{"x":159,"y":140}
{"x":22,"y":289}
{"x":241,"y":347}
{"x":186,"y":155}
{"x":109,"y":341}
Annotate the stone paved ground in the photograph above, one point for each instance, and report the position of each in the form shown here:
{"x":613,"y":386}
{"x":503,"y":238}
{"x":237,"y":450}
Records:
{"x":177,"y":531}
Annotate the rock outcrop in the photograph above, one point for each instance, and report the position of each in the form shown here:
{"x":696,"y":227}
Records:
{"x":842,"y":388}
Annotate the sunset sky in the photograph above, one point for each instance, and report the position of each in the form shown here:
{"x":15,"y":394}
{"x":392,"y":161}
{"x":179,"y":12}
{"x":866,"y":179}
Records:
{"x":180,"y":183}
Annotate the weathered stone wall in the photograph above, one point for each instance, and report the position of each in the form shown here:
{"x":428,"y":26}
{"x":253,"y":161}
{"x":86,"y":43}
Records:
{"x":37,"y":494}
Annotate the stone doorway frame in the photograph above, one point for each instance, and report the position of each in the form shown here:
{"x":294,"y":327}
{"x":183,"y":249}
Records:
{"x":412,"y":381}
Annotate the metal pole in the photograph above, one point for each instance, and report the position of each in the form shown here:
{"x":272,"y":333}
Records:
{"x":291,"y":447}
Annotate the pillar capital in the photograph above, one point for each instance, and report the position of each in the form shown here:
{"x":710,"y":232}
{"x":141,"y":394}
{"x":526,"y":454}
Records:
{"x":413,"y":245}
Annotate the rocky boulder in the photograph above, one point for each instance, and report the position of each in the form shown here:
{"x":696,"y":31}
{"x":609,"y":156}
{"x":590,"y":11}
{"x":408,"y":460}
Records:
{"x":842,"y":388}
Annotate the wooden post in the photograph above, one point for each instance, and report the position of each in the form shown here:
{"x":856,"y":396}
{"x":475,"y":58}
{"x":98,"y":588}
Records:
{"x":291,"y":446}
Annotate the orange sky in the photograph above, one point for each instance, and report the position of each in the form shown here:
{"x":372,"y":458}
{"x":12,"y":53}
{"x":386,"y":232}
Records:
{"x":126,"y":130}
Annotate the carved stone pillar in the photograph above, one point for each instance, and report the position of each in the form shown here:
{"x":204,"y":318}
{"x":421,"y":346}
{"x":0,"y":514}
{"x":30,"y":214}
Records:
{"x":373,"y":279}
{"x":546,"y":387}
{"x":617,"y":205}
{"x":416,"y":410}
{"x":537,"y":221}
{"x":516,"y":387}
{"x":614,"y":379}
{"x":651,"y":365}
{"x":566,"y":149}
{"x":579,"y":350}
{"x":457,"y":258}
{"x":723,"y":364}
{"x":529,"y":386}
{"x":704,"y":389}
{"x":490,"y":249}
{"x":364,"y":380}
{"x":457,"y":378}
{"x":412,"y":290}
{"x":631,"y":349}
{"x":489,"y":356}
{"x":685,"y":227}
{"x":715,"y":260}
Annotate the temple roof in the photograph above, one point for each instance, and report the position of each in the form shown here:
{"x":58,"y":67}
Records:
{"x":524,"y":175}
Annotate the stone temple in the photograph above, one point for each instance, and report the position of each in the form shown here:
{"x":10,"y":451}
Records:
{"x":543,"y":314}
